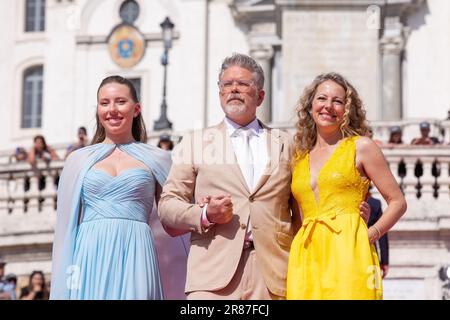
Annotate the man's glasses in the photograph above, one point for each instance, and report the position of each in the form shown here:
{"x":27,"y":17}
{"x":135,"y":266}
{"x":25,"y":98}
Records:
{"x":241,"y":85}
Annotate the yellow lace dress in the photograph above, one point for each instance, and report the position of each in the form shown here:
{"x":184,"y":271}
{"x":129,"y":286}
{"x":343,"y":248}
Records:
{"x":331,"y":257}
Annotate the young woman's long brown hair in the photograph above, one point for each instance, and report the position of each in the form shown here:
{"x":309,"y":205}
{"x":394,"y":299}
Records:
{"x":138,"y":129}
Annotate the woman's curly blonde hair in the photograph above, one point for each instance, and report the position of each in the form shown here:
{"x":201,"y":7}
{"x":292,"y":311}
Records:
{"x":354,"y":117}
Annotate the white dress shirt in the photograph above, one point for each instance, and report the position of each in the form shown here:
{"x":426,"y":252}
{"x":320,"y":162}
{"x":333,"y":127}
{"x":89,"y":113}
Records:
{"x":258,"y":146}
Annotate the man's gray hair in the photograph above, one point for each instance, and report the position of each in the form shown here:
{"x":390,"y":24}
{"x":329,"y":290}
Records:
{"x":246,"y":62}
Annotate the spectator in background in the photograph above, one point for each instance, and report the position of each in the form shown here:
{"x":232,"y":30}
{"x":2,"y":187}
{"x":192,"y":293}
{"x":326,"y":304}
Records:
{"x":36,"y":289}
{"x":425,"y":138}
{"x":11,"y":280}
{"x":395,"y":136}
{"x":382,"y":244}
{"x":7,"y":291}
{"x":19,"y":155}
{"x":165,"y":142}
{"x":41,"y":151}
{"x":81,"y":143}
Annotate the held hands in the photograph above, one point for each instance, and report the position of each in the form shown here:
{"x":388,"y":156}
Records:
{"x":220,"y":208}
{"x":203,"y":201}
{"x":364,"y":211}
{"x":374,"y":233}
{"x":384,"y":270}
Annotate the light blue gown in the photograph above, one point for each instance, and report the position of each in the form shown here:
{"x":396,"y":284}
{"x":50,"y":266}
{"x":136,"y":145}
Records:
{"x":103,"y":246}
{"x":114,"y":247}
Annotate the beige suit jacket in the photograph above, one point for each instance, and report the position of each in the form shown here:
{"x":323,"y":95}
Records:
{"x":204,"y":164}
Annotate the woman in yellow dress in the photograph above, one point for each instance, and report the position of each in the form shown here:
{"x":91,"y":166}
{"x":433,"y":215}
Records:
{"x":332,"y":256}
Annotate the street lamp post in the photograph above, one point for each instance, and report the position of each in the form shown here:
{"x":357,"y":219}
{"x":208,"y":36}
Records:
{"x":167,"y":29}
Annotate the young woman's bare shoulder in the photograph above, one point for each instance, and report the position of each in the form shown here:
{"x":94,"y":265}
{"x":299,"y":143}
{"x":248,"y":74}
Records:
{"x":365,"y":144}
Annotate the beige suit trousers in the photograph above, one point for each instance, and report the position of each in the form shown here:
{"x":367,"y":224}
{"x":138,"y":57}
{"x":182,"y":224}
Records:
{"x":246,"y":284}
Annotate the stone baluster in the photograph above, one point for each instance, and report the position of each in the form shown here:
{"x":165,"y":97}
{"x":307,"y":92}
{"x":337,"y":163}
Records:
{"x":410,"y":181}
{"x":18,"y":193}
{"x":427,"y":179}
{"x":444,"y":179}
{"x":393,"y":165}
{"x":3,"y":196}
{"x":33,"y":193}
{"x":48,"y":193}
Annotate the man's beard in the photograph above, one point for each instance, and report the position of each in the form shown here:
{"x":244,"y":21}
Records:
{"x":235,"y":109}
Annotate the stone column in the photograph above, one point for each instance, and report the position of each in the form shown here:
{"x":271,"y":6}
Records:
{"x":263,"y":55}
{"x":392,"y":45}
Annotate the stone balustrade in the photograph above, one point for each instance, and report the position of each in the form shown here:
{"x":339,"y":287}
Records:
{"x":423,"y":175}
{"x":27,"y":215}
{"x":26,"y":189}
{"x":421,"y":171}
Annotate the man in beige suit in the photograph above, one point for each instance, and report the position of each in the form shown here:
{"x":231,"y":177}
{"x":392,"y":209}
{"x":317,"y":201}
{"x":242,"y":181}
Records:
{"x":240,"y":239}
